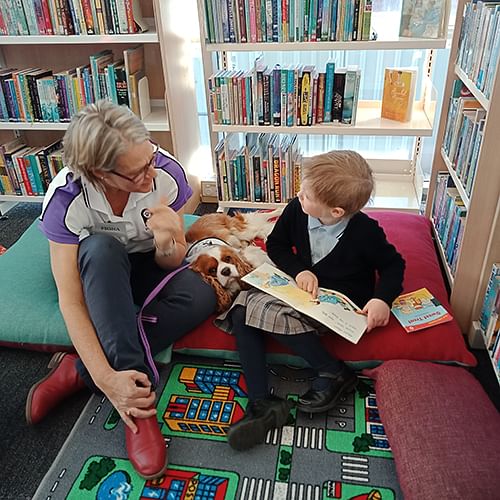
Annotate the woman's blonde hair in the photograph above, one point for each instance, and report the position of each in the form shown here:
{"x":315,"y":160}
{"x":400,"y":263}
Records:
{"x":97,"y":135}
{"x":339,"y":179}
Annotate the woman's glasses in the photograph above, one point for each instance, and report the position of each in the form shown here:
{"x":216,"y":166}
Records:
{"x":141,"y":175}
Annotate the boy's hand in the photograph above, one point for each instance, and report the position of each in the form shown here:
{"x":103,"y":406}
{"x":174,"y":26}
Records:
{"x":378,"y":313}
{"x":307,"y":281}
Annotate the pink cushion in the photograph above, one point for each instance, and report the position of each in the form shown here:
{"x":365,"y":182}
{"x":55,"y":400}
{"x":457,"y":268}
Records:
{"x":443,"y":430}
{"x":411,"y":234}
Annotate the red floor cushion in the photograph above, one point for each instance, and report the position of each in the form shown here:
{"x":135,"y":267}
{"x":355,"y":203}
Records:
{"x":412,"y":236}
{"x":443,"y":430}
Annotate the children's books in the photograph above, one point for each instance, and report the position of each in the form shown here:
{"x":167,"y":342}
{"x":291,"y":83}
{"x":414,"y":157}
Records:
{"x":331,"y":308}
{"x":418,"y":310}
{"x":422,"y":18}
{"x":398,"y":94}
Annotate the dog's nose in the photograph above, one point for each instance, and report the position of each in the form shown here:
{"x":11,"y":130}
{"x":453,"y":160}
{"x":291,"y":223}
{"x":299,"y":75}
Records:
{"x":225,"y":271}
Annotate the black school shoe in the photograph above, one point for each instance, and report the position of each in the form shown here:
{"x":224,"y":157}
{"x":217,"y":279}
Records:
{"x":314,"y":401}
{"x":260,"y":417}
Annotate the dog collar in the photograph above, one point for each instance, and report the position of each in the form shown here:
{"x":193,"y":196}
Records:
{"x":202,"y":245}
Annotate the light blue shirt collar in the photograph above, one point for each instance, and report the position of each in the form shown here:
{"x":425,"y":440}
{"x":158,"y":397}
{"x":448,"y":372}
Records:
{"x":323,"y":238}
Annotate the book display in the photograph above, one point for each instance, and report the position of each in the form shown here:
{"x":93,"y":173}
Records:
{"x":464,"y":192}
{"x":422,"y":18}
{"x":269,"y":97}
{"x":55,"y":62}
{"x":399,"y":93}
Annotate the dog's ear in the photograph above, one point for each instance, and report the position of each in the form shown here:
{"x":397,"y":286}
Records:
{"x":243,"y":266}
{"x":224,"y":298}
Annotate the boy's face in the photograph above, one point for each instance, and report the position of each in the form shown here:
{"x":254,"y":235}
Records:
{"x":310,"y":206}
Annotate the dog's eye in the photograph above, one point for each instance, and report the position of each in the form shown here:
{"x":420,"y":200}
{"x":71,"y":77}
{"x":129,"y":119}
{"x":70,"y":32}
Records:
{"x":226,"y":258}
{"x":212,"y":271}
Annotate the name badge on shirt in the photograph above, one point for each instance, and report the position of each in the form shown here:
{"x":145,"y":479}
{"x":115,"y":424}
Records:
{"x":116,"y":229}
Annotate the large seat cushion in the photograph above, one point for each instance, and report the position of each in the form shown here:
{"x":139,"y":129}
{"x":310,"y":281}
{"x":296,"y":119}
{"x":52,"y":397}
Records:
{"x":29,"y":310}
{"x":412,"y":236}
{"x":443,"y":430}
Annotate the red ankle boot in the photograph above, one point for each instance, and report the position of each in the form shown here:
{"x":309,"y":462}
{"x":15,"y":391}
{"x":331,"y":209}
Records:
{"x":62,"y":381}
{"x":146,"y":449}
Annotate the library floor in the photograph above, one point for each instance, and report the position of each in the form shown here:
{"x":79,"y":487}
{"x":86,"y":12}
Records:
{"x":26,"y":453}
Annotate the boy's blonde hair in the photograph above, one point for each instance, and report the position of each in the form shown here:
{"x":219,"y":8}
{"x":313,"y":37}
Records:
{"x":97,"y":135}
{"x":339,"y":179}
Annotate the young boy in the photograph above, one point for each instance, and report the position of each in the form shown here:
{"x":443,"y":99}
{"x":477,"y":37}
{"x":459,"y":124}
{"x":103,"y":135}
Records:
{"x":322,"y":240}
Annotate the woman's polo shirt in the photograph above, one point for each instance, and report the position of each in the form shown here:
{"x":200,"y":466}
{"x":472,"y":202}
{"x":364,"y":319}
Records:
{"x":74,"y":209}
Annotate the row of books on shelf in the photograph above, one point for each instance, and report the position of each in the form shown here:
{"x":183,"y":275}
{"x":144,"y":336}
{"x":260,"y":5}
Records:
{"x":27,"y":171}
{"x":70,"y":17}
{"x":284,"y":96}
{"x":489,"y":319}
{"x":448,"y":214}
{"x":241,"y":21}
{"x":41,"y":95}
{"x":463,"y":134}
{"x":258,"y":167}
{"x":479,"y":45}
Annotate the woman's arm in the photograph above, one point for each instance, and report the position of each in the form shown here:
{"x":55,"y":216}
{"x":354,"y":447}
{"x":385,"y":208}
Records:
{"x":129,"y":391}
{"x":168,"y":232}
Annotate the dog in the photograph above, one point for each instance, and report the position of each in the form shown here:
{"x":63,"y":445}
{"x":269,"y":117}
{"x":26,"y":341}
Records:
{"x":221,"y":250}
{"x":238,"y":231}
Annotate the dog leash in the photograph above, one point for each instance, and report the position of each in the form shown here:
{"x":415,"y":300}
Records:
{"x":153,"y":319}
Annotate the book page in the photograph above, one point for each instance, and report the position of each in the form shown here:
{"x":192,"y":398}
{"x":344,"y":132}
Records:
{"x":331,"y":308}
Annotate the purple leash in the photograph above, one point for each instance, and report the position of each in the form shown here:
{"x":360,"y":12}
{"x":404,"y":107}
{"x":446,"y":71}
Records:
{"x":153,"y":319}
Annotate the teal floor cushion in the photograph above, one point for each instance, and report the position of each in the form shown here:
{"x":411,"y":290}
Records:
{"x":29,"y":309}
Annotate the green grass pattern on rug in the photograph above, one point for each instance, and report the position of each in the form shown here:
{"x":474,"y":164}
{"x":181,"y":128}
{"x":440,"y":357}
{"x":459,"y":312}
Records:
{"x":343,"y":454}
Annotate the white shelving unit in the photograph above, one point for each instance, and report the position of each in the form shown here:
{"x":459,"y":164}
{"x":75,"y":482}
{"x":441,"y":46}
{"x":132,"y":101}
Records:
{"x":396,"y":190}
{"x":480,"y":246}
{"x":173,"y":120}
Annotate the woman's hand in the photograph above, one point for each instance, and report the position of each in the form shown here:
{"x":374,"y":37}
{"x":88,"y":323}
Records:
{"x":165,"y":225}
{"x":129,"y":391}
{"x":308,"y":281}
{"x":378,"y":313}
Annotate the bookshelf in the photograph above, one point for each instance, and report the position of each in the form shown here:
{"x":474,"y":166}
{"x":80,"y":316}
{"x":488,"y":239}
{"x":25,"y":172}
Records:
{"x":173,"y":118}
{"x":402,"y":187}
{"x":479,"y":245}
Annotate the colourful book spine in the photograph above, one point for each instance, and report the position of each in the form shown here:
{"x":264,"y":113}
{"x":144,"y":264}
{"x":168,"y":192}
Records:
{"x":328,"y":99}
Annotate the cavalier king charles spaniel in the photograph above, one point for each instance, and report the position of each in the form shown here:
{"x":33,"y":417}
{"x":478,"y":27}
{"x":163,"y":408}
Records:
{"x":237,"y":231}
{"x":221,"y":250}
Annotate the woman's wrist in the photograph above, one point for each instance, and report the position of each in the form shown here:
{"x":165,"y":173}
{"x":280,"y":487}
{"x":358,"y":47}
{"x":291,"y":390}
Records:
{"x":166,"y":252}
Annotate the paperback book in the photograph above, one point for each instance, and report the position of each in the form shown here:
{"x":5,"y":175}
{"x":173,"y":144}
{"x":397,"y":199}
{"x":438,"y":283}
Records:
{"x":422,"y":18}
{"x":330,"y":308}
{"x":398,"y":93}
{"x":418,"y":310}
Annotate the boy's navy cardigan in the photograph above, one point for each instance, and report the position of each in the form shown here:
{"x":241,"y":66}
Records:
{"x":363,"y":265}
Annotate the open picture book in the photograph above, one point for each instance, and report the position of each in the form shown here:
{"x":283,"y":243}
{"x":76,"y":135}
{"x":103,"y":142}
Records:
{"x":331,"y":308}
{"x":418,"y":310}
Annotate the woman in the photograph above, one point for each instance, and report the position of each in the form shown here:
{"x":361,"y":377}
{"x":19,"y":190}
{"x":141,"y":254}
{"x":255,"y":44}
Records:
{"x":113,"y":218}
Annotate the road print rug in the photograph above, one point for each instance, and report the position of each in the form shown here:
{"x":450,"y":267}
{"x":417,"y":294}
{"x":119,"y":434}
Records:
{"x":340,"y":455}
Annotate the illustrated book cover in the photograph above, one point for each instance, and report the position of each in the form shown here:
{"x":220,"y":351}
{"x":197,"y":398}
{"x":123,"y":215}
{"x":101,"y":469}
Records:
{"x":331,"y":308}
{"x":398,"y":93}
{"x":422,"y":18}
{"x":418,"y":310}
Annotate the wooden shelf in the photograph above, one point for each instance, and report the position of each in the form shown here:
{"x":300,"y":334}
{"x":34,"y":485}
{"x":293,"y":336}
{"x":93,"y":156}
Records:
{"x":483,"y":100}
{"x":400,"y":44}
{"x":150,"y":36}
{"x":456,"y":180}
{"x":13,"y":197}
{"x":156,"y":121}
{"x":368,"y":122}
{"x":393,"y":192}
